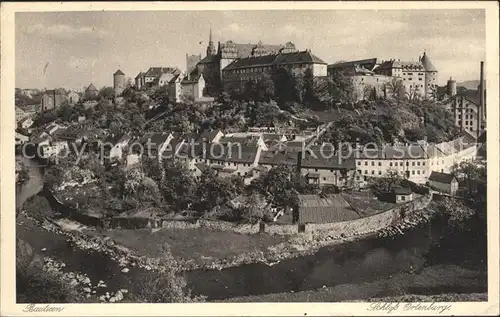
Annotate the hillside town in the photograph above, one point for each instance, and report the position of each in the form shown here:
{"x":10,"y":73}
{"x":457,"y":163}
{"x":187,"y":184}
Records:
{"x":255,"y":154}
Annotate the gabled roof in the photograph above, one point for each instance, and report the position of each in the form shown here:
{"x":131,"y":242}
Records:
{"x":246,"y":50}
{"x":266,"y":60}
{"x":139,"y":75}
{"x":91,"y":87}
{"x":208,"y":59}
{"x":366,"y":63}
{"x":117,"y":138}
{"x":208,"y":135}
{"x":25,"y":119}
{"x":250,"y":140}
{"x":158,"y":71}
{"x":302,"y":57}
{"x":398,"y":64}
{"x":156,"y":139}
{"x":118,"y":72}
{"x":402,"y":190}
{"x":298,"y":57}
{"x":470,"y":95}
{"x":194,"y":77}
{"x":439,"y":177}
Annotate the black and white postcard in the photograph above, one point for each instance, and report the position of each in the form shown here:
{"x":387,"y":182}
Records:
{"x":229,"y":158}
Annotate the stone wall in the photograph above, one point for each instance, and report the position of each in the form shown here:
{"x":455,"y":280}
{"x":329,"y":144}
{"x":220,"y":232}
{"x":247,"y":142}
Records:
{"x":373,"y":223}
{"x":339,"y":229}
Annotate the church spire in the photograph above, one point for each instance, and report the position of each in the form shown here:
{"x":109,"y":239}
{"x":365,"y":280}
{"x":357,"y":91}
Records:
{"x":210,"y":47}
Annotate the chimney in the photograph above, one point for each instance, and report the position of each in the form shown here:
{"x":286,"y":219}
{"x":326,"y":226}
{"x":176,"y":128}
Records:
{"x":481,"y":99}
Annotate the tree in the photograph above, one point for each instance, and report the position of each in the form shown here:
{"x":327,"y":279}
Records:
{"x":278,"y":184}
{"x":107,"y":93}
{"x":252,"y":212}
{"x":22,"y":171}
{"x":387,"y":183}
{"x":396,"y":88}
{"x":177,"y":185}
{"x":214,"y":191}
{"x":471,"y":173}
{"x":165,"y":286}
{"x":286,"y":87}
{"x":133,"y":181}
{"x":38,"y":207}
{"x":54,"y":176}
{"x":341,"y":87}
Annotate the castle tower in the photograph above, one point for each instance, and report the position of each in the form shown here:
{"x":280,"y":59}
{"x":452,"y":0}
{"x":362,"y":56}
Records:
{"x":451,"y":87}
{"x":431,"y":76}
{"x":210,"y":48}
{"x":191,"y":61}
{"x":119,"y":82}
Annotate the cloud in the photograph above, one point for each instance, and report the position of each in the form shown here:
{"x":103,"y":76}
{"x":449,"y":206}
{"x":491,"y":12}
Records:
{"x":63,"y":31}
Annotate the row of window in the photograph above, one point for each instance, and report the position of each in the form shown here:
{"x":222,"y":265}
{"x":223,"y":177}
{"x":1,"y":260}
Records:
{"x":466,"y":116}
{"x":471,"y":123}
{"x":413,"y":172}
{"x":249,"y":70}
{"x":391,"y":164}
{"x":220,"y":162}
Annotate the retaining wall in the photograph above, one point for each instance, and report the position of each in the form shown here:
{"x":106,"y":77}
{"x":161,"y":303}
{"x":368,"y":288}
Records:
{"x":346,"y":228}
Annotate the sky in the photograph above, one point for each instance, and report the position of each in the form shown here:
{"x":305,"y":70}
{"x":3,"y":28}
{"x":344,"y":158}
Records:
{"x":74,"y":49}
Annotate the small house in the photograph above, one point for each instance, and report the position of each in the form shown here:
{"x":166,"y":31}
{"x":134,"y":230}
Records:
{"x":115,"y":144}
{"x":25,"y":123}
{"x":443,"y":182}
{"x":402,"y":194}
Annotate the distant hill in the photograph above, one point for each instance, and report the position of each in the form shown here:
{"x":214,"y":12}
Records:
{"x":469,"y":84}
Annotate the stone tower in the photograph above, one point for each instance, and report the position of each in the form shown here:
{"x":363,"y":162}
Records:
{"x":451,"y":87}
{"x":431,"y":76}
{"x":191,"y":61}
{"x":119,"y":82}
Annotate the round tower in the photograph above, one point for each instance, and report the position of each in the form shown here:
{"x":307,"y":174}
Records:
{"x":119,"y":82}
{"x":431,"y":76}
{"x":451,"y":87}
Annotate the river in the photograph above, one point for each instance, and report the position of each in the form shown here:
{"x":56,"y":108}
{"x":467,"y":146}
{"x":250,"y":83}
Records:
{"x":353,"y":263}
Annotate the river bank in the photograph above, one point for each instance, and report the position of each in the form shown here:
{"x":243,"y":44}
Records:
{"x":304,"y":262}
{"x":430,"y":282}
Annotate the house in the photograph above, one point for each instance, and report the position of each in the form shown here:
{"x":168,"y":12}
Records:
{"x":155,"y":144}
{"x":73,"y":98}
{"x":211,"y":136}
{"x":25,"y":123}
{"x":156,"y":77}
{"x":444,"y":182}
{"x":51,"y":146}
{"x":91,"y":92}
{"x":192,"y":87}
{"x":254,"y":173}
{"x":324,"y":209}
{"x":20,"y":114}
{"x":324,"y":166}
{"x":115,"y":144}
{"x":21,"y":139}
{"x":401,"y":195}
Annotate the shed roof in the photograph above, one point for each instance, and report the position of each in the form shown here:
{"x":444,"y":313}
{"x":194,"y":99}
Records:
{"x":326,"y":209}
